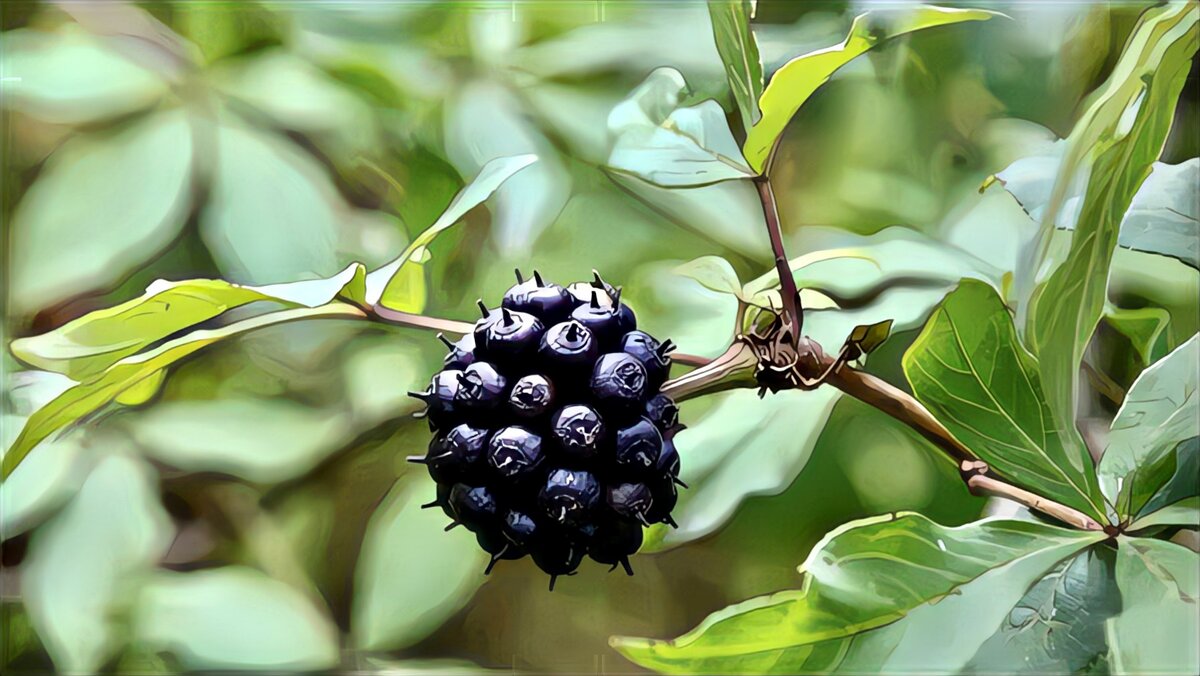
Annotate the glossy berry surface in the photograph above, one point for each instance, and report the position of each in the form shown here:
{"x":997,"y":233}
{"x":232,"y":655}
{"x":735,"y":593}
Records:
{"x":550,"y":436}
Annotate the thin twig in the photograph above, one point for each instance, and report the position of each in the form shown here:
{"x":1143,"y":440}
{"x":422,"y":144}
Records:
{"x":787,"y":283}
{"x":734,"y":368}
{"x":982,"y":484}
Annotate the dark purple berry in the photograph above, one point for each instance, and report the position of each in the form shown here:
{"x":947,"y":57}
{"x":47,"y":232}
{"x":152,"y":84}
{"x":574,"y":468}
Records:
{"x":512,"y":337}
{"x":652,"y":354}
{"x":638,"y":446}
{"x":531,"y":396}
{"x":569,"y":496}
{"x":569,"y":346}
{"x":441,"y":397}
{"x":618,"y":379}
{"x":550,"y":302}
{"x":668,"y":459}
{"x":454,"y":454}
{"x":514,"y":452}
{"x":460,"y":354}
{"x":665,"y":497}
{"x":480,"y":387}
{"x":520,"y":529}
{"x":615,"y":542}
{"x":558,"y":557}
{"x":578,"y":429}
{"x":603,"y":320}
{"x":473,"y":506}
{"x":663,"y":412}
{"x":632,"y":500}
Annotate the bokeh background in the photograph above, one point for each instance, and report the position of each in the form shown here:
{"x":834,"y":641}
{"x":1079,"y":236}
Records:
{"x":257,"y":512}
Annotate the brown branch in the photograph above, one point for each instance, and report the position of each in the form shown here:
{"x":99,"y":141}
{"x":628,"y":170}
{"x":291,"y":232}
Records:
{"x":981,"y":484}
{"x":734,"y":368}
{"x":787,"y":283}
{"x":416,"y":321}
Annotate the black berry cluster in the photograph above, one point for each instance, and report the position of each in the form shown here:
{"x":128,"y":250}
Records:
{"x":550,"y":435}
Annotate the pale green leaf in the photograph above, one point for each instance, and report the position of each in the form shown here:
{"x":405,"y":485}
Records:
{"x":71,"y":77}
{"x":86,"y":398}
{"x":1160,"y":617}
{"x":968,"y":368}
{"x":1163,"y":217}
{"x":1058,"y":627}
{"x":1145,"y":327}
{"x":796,"y":81}
{"x":233,"y":618}
{"x":86,"y":346}
{"x":386,"y":285}
{"x":133,"y":184}
{"x":739,"y":52}
{"x":260,"y":440}
{"x":411,"y":575}
{"x":1160,"y":412}
{"x":879,"y":595}
{"x":1116,"y":141}
{"x":83,"y":563}
{"x":714,"y":273}
{"x":1186,"y":512}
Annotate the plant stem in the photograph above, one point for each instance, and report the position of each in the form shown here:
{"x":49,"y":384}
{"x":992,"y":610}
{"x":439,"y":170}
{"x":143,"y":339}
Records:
{"x":787,"y":284}
{"x":981,"y":484}
{"x":734,"y":368}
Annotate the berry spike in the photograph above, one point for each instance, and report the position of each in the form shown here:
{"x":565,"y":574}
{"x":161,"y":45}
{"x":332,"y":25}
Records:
{"x":452,"y":526}
{"x":595,"y":302}
{"x":520,"y":278}
{"x":483,"y":309}
{"x":667,"y":347}
{"x":430,"y":505}
{"x":445,"y":341}
{"x":572,"y":331}
{"x":495,"y":557}
{"x":417,"y":459}
{"x":537,"y":278}
{"x":625,"y":564}
{"x":597,"y":280}
{"x":553,"y":579}
{"x":679,"y":482}
{"x":419,"y":415}
{"x":642,"y":517}
{"x":670,"y":521}
{"x":508,"y":318}
{"x":423,"y":395}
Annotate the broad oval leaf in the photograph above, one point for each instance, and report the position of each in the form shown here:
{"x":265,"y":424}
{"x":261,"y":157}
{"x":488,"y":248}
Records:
{"x":86,"y":398}
{"x":739,"y":52}
{"x":969,"y":369}
{"x":392,"y":285}
{"x":1114,"y":145}
{"x":714,"y":273}
{"x":1161,"y":411}
{"x":878,"y":595}
{"x":71,"y":77}
{"x":83,"y":563}
{"x":104,"y":203}
{"x":796,"y":81}
{"x":411,"y":575}
{"x":233,"y":618}
{"x":1160,"y":616}
{"x":672,"y":147}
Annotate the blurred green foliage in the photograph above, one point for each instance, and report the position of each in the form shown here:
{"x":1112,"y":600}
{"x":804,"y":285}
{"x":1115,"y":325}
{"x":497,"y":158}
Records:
{"x":255,"y":512}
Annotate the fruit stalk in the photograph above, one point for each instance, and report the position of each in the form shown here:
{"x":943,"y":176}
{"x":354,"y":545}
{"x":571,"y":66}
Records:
{"x":792,"y":309}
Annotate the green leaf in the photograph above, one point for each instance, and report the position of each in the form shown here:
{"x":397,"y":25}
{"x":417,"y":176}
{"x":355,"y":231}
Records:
{"x":132,"y":184}
{"x":669,"y":146}
{"x":261,"y":440}
{"x":879,"y":595}
{"x":86,"y":398}
{"x":865,"y":338}
{"x":796,"y":81}
{"x":1116,"y":141}
{"x":1160,"y":619}
{"x":84,"y":347}
{"x":82,"y":563}
{"x":969,"y":369}
{"x":714,"y":273}
{"x":1145,"y":327}
{"x":411,"y":576}
{"x":391,"y":284}
{"x":1186,"y":512}
{"x":1163,"y":216}
{"x":233,"y":618}
{"x":739,"y":52}
{"x":1059,"y":625}
{"x":1160,"y":412}
{"x":71,"y":77}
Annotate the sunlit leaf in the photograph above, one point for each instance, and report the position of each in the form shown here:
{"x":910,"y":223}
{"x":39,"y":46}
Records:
{"x":386,"y":285}
{"x":865,"y":338}
{"x":714,"y":273}
{"x":83,"y":562}
{"x":969,"y":369}
{"x":233,"y":618}
{"x":1161,"y":411}
{"x":796,"y":81}
{"x":86,"y":398}
{"x":411,"y":575}
{"x":86,"y":346}
{"x":1145,"y":327}
{"x":71,"y":77}
{"x":131,"y":184}
{"x":739,"y":52}
{"x":1186,"y":512}
{"x":870,"y":602}
{"x":1160,"y":616}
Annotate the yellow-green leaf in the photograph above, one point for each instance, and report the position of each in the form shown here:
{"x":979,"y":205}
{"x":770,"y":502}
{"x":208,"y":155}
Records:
{"x":796,"y":81}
